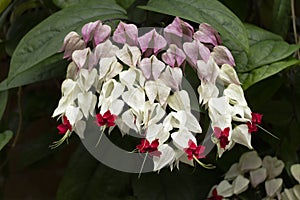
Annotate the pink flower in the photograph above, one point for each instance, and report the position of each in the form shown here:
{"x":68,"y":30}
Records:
{"x":178,"y":32}
{"x":151,"y":43}
{"x":96,"y":32}
{"x":174,"y":56}
{"x":222,"y":136}
{"x":146,"y":146}
{"x":107,"y":119}
{"x":256,"y":119}
{"x":194,"y":150}
{"x":208,"y":35}
{"x":126,"y":33}
{"x":223,"y":56}
{"x":71,"y":43}
{"x":215,"y":195}
{"x":65,"y":126}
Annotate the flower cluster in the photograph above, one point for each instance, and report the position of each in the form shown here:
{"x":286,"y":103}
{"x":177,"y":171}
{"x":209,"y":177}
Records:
{"x":136,"y":83}
{"x":251,"y":169}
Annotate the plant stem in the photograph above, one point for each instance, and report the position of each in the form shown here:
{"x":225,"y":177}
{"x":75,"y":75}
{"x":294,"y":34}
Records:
{"x":20,"y":117}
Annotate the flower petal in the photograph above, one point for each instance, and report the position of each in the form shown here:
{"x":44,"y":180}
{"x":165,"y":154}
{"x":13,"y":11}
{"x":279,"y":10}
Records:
{"x":167,"y":157}
{"x":126,"y":33}
{"x":241,"y":135}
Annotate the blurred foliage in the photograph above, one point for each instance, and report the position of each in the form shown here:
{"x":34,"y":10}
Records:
{"x":259,"y":33}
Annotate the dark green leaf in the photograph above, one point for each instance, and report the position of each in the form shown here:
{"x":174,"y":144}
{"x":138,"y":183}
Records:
{"x":68,"y":3}
{"x":125,"y":3}
{"x":256,"y":34}
{"x":4,"y":4}
{"x":212,"y":12}
{"x":3,"y":102}
{"x":108,"y":183}
{"x":77,"y":176}
{"x":281,"y":16}
{"x":270,"y":86}
{"x":51,"y":67}
{"x":256,"y":75}
{"x":20,"y":26}
{"x":269,"y":51}
{"x":5,"y":138}
{"x":175,"y":185}
{"x":45,"y":39}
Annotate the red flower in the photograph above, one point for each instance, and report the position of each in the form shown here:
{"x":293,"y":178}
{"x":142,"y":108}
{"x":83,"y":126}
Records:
{"x":194,"y":150}
{"x":65,"y":126}
{"x":222,"y":136}
{"x":256,"y":119}
{"x":107,"y":119}
{"x":215,"y":195}
{"x":145,"y":146}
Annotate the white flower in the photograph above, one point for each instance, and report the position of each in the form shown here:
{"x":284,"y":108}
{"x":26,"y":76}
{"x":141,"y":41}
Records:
{"x":109,"y":97}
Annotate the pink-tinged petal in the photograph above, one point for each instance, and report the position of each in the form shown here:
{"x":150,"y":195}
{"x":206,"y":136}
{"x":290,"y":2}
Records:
{"x":217,"y":132}
{"x":102,"y":33}
{"x":80,"y":57}
{"x":174,"y":56}
{"x":152,"y":41}
{"x":151,"y":67}
{"x":126,"y":33}
{"x":159,"y":42}
{"x":196,"y":51}
{"x":178,"y":32}
{"x":71,"y":43}
{"x":223,"y":56}
{"x":88,"y":30}
{"x":144,"y":40}
{"x":208,"y":35}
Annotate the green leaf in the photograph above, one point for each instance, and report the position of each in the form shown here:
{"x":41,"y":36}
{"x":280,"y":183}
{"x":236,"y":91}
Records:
{"x":3,"y":102}
{"x":187,"y":183}
{"x":232,"y":30}
{"x":86,"y":178}
{"x":46,"y":39}
{"x":68,"y":3}
{"x":80,"y":170}
{"x":4,"y":4}
{"x":281,"y":16}
{"x":256,"y":34}
{"x":108,"y":183}
{"x":258,"y":74}
{"x":5,"y":138}
{"x":125,"y":3}
{"x":51,"y":67}
{"x":269,"y":51}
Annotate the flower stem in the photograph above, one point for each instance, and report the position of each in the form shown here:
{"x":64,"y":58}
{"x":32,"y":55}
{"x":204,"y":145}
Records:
{"x":101,"y":134}
{"x":267,"y":132}
{"x":20,"y":118}
{"x":144,"y":161}
{"x":207,"y":166}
